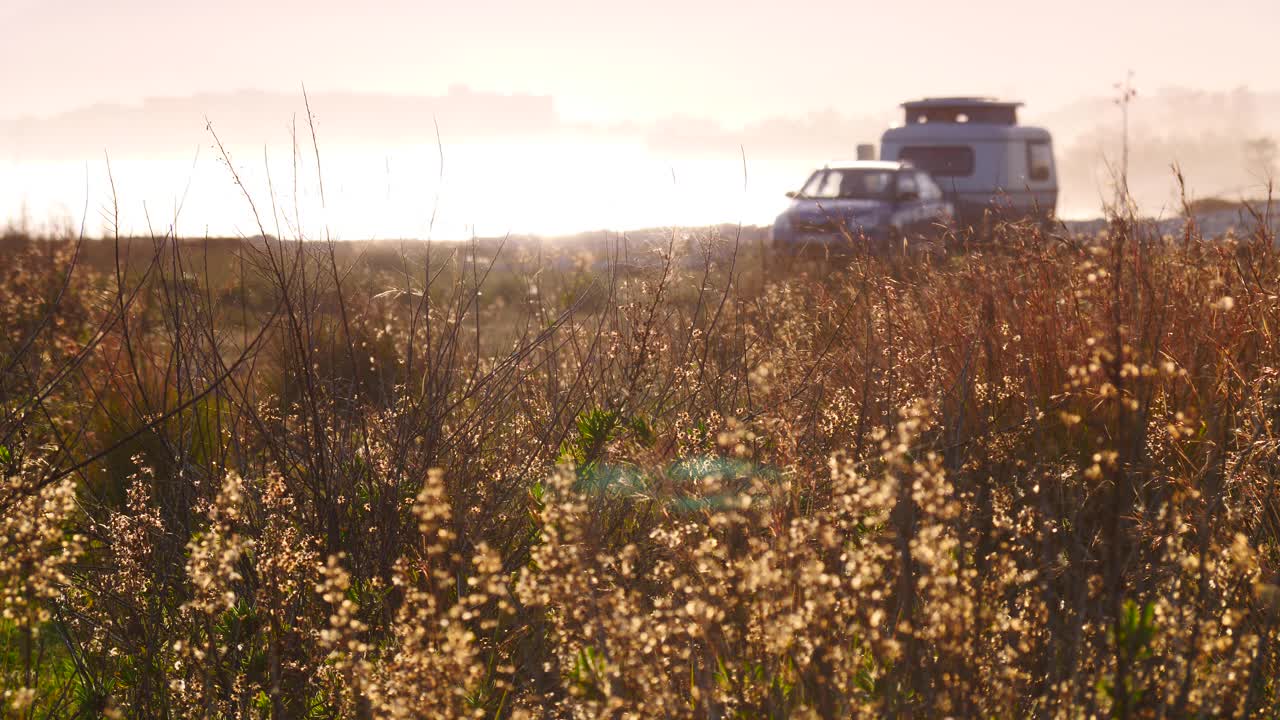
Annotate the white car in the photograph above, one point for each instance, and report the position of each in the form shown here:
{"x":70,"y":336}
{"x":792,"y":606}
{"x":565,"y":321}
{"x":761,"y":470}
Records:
{"x":862,"y":203}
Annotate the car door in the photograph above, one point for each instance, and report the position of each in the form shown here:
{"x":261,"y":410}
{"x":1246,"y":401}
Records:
{"x":909,"y":214}
{"x":934,"y":206}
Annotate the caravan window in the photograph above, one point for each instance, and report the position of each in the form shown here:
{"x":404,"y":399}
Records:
{"x":1039,"y":161}
{"x":940,"y":160}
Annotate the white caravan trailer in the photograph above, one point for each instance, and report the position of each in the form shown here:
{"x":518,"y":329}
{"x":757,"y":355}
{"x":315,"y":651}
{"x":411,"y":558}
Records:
{"x":988,"y":165}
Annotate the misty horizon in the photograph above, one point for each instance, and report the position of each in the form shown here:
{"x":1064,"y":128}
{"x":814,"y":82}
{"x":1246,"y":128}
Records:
{"x":556,"y":173}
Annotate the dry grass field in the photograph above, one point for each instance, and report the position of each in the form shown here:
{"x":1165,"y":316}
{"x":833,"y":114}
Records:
{"x":1033,"y":478}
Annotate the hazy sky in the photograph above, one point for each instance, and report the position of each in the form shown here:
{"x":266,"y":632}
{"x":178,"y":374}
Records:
{"x":732,"y":60}
{"x":561,"y":115}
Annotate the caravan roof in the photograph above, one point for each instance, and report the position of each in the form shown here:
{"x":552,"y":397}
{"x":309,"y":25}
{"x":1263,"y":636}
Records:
{"x":934,"y":133}
{"x":961,"y":110}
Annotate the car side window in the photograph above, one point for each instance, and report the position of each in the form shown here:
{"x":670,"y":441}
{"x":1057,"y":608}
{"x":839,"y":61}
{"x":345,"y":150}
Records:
{"x":907,"y":184}
{"x":929,"y":190}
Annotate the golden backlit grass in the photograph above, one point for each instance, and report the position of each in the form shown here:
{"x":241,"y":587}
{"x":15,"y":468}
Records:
{"x":1036,"y":477}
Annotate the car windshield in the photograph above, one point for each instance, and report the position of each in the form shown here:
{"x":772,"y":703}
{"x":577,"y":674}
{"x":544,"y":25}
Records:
{"x":849,"y":183}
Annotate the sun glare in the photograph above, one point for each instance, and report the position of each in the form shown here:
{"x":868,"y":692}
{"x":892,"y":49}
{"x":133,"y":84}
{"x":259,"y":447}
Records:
{"x":563,"y":186}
